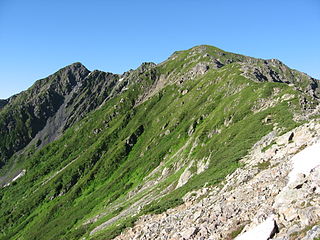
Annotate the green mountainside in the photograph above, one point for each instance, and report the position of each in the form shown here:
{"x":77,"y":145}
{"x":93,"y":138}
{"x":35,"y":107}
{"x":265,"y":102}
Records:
{"x":98,"y":150}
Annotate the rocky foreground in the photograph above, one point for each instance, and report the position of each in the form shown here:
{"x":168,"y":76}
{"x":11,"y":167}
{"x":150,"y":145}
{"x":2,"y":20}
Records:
{"x":275,"y":195}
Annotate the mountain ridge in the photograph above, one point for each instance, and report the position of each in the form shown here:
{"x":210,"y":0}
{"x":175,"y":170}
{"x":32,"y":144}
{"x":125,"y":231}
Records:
{"x":115,"y":147}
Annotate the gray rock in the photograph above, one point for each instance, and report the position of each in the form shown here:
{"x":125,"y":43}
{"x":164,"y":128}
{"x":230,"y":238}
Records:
{"x":247,"y":196}
{"x":188,"y":233}
{"x":313,"y":233}
{"x":263,"y":231}
{"x":200,"y":69}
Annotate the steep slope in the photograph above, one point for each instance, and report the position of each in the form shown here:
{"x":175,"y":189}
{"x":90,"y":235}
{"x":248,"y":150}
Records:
{"x":156,"y":134}
{"x":27,"y":112}
{"x":42,"y":113}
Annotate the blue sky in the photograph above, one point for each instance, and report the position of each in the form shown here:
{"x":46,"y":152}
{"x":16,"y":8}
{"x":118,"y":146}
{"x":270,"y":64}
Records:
{"x":39,"y":37}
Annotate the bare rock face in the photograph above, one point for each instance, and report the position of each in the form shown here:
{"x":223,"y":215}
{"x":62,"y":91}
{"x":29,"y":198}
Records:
{"x":274,"y":70}
{"x":200,"y":69}
{"x":185,"y":176}
{"x":27,"y":113}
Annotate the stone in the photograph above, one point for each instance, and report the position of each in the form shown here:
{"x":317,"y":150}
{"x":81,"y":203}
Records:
{"x":305,"y":161}
{"x":284,"y":139}
{"x":167,"y":132}
{"x":197,"y":214}
{"x":309,"y":215}
{"x":246,"y":197}
{"x":287,"y":97}
{"x":202,"y":166}
{"x":313,"y":233}
{"x":184,"y":92}
{"x":263,"y":231}
{"x":185,"y":176}
{"x":290,"y":214}
{"x":293,"y":229}
{"x":188,"y":233}
{"x":200,"y":69}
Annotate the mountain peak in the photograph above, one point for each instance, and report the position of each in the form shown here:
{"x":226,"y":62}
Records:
{"x":205,"y":47}
{"x":76,"y":65}
{"x":93,"y":153}
{"x":77,"y":68}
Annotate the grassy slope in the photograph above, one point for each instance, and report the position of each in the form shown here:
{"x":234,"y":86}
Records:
{"x":103,"y":168}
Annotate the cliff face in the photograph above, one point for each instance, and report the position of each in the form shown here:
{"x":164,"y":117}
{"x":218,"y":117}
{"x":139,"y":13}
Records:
{"x":202,"y":140}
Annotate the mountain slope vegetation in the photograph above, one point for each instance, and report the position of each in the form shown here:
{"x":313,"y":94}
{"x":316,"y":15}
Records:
{"x":101,"y":149}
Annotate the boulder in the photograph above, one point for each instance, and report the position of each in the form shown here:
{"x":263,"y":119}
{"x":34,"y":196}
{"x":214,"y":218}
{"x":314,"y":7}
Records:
{"x":188,"y":233}
{"x":305,"y":161}
{"x":263,"y":231}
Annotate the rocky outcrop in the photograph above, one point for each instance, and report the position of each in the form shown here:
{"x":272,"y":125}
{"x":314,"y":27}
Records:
{"x":86,"y":96}
{"x":42,"y":113}
{"x":185,"y":176}
{"x":257,"y":201}
{"x":27,"y":113}
{"x":274,"y":70}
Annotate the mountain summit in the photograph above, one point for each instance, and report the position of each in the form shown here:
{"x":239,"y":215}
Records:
{"x":196,"y":147}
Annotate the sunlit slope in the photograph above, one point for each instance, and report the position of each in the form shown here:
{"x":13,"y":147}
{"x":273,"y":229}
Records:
{"x":175,"y":127}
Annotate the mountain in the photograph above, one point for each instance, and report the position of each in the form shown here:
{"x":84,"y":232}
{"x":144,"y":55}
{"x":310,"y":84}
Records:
{"x":3,"y":103}
{"x":85,"y":155}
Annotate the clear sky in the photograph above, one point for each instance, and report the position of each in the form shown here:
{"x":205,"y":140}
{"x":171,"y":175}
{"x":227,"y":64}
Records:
{"x":37,"y":37}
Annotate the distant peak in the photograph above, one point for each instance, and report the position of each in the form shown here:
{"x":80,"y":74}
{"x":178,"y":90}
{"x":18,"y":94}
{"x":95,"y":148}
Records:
{"x":275,"y":61}
{"x":67,"y":77}
{"x":146,"y":65}
{"x":76,"y":65}
{"x":76,"y":68}
{"x":206,"y":48}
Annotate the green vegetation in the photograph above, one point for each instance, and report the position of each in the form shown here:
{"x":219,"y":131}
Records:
{"x":263,"y":165}
{"x":300,"y":235}
{"x":98,"y":164}
{"x":115,"y":229}
{"x":236,"y":232}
